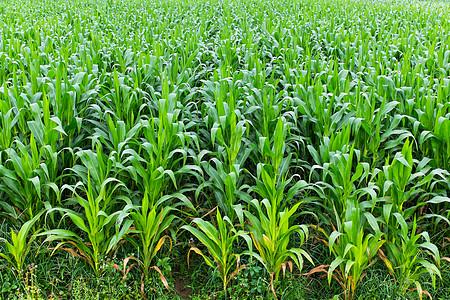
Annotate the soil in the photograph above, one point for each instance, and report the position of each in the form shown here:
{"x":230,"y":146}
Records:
{"x":182,"y":287}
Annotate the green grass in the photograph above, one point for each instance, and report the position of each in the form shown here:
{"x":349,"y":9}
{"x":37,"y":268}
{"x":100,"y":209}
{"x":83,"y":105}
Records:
{"x":317,"y":130}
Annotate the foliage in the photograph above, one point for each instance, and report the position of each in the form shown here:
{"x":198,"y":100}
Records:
{"x":20,"y":245}
{"x":123,"y":121}
{"x":219,"y":242}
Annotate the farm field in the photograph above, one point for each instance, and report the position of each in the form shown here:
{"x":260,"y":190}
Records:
{"x":224,"y":149}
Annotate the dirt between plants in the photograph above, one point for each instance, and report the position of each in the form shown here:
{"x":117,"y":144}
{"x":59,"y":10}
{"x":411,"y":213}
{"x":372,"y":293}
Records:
{"x":181,"y":287}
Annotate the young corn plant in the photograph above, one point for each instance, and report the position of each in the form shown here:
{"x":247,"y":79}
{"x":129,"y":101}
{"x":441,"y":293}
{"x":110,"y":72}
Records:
{"x":6,"y":124}
{"x":115,"y":135}
{"x":219,"y":240}
{"x":399,"y":173}
{"x":227,"y":132}
{"x":271,"y":230}
{"x":96,"y":167}
{"x":343,"y":183}
{"x":339,"y":180}
{"x":20,"y":244}
{"x":272,"y":176}
{"x":405,"y":254}
{"x":159,"y":164}
{"x":373,"y":124}
{"x":100,"y":231}
{"x":265,"y":106}
{"x":409,"y":186}
{"x":227,"y":125}
{"x":434,"y":140}
{"x":229,"y":190}
{"x":353,"y":249}
{"x":338,"y":142}
{"x":28,"y":179}
{"x":150,"y":223}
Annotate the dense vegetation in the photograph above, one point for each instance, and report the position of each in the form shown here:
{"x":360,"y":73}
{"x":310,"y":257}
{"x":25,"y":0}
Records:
{"x":215,"y":149}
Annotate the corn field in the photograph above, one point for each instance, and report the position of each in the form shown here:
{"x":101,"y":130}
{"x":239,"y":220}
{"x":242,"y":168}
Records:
{"x":224,"y":149}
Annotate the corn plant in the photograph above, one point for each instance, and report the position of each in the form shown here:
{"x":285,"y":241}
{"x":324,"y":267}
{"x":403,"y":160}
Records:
{"x":229,"y":190}
{"x":229,"y":134}
{"x":434,"y":139}
{"x":20,"y":244}
{"x":271,"y":232}
{"x":219,"y":241}
{"x":272,"y":177}
{"x":6,"y":136}
{"x":354,"y":250}
{"x":101,"y":232}
{"x":265,"y":105}
{"x":160,"y":161}
{"x":95,"y":168}
{"x":405,"y":255}
{"x":411,"y":183}
{"x":270,"y":228}
{"x":150,"y":222}
{"x":29,"y":173}
{"x":342,"y":183}
{"x":399,"y":173}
